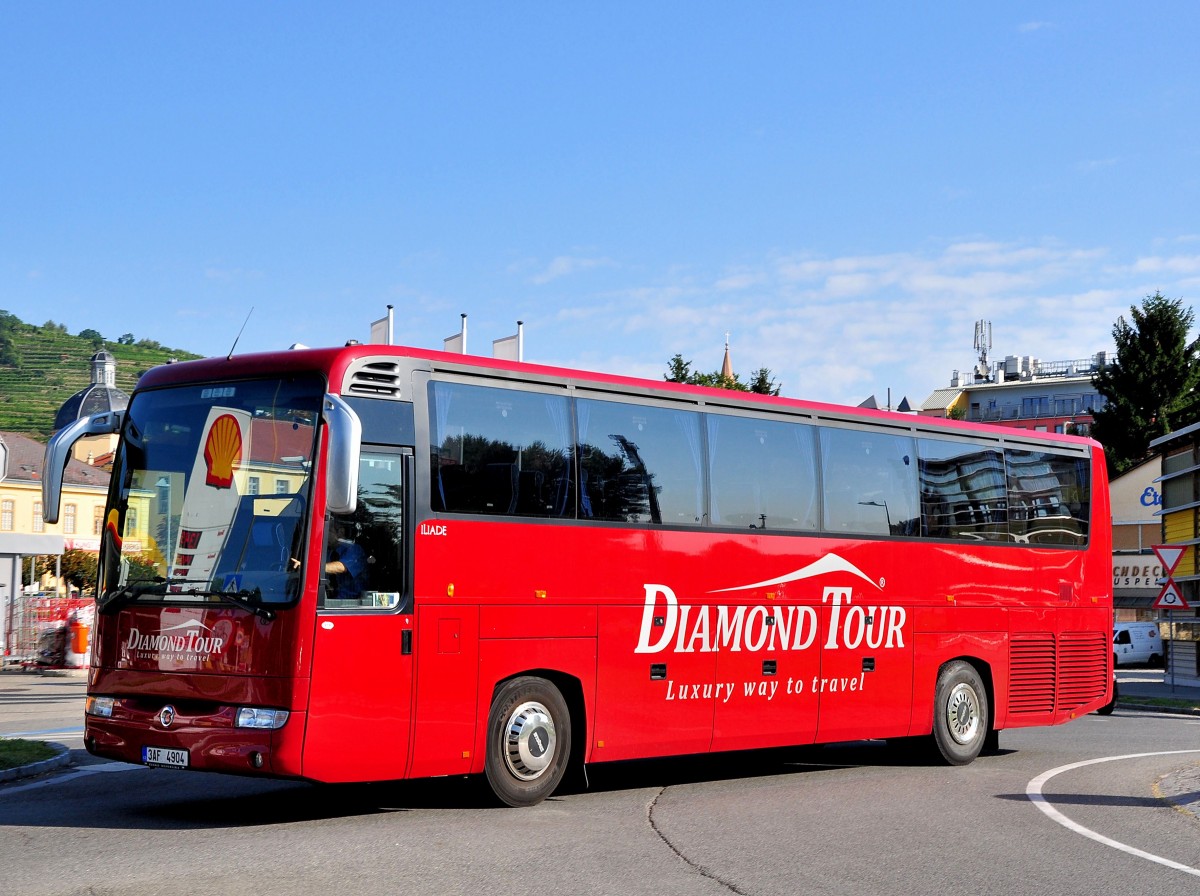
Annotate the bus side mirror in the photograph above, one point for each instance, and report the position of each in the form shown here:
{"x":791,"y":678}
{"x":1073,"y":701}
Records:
{"x":58,"y":452}
{"x":341,"y":467}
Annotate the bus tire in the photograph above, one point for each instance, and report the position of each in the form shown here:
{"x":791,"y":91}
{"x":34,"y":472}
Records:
{"x":1107,"y":708}
{"x":528,"y":741}
{"x":960,"y":713}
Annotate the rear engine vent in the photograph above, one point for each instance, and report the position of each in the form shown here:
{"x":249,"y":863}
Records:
{"x":1031,"y":688}
{"x":1082,"y":668}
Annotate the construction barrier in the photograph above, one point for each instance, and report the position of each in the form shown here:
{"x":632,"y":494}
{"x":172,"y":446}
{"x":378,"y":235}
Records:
{"x":52,"y":632}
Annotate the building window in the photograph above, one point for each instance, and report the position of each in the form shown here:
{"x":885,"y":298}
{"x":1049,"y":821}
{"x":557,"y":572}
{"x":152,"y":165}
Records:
{"x":69,"y":519}
{"x":1037,"y":406}
{"x":281,"y":486}
{"x":39,"y":524}
{"x":252,"y":485}
{"x":98,"y":521}
{"x":6,"y":515}
{"x":131,"y":521}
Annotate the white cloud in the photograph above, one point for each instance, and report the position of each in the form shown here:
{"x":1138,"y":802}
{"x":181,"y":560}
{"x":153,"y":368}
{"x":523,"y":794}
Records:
{"x":740,"y":280}
{"x":841,"y":328}
{"x":565,"y":266}
{"x":1173,"y":264}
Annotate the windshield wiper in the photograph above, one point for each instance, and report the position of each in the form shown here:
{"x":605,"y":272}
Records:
{"x":247,"y":599}
{"x":130,"y":592}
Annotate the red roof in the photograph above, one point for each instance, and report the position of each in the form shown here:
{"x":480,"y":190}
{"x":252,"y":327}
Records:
{"x":26,"y":457}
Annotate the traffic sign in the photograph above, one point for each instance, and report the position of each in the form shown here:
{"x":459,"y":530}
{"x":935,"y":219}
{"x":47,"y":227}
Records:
{"x":1170,"y":598}
{"x":1170,"y":555}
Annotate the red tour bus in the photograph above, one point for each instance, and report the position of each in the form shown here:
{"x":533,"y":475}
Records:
{"x":375,"y":563}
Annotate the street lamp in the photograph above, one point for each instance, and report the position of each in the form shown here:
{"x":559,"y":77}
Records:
{"x":164,"y":482}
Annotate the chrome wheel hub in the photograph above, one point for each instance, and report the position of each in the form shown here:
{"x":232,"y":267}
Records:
{"x":529,"y":741}
{"x":962,"y":714}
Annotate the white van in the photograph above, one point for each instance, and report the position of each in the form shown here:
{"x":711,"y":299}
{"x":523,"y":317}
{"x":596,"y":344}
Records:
{"x":1137,"y":642}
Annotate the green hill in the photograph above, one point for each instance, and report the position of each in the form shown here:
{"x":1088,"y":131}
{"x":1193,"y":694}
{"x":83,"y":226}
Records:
{"x":41,"y":367}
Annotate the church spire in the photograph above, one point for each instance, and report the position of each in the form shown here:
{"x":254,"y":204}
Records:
{"x":727,"y":365}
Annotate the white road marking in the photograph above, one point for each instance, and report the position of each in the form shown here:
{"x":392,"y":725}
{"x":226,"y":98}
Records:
{"x":1033,"y":790}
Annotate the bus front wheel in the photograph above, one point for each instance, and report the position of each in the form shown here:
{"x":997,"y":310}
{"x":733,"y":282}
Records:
{"x":529,"y":741}
{"x":960,"y":713}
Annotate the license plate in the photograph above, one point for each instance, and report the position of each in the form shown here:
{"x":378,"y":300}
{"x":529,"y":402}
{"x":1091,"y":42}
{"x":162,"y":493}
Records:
{"x":165,"y":758}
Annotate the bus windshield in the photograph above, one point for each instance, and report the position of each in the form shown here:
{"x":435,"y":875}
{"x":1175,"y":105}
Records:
{"x":210,"y":493}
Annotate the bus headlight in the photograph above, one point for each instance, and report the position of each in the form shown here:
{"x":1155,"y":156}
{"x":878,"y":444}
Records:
{"x":254,"y":717}
{"x":100,"y":706}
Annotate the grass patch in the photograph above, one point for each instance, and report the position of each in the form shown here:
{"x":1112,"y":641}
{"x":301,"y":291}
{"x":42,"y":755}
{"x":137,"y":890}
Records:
{"x":15,"y":752}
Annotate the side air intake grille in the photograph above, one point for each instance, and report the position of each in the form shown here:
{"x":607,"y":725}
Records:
{"x":378,"y":379}
{"x":1082,"y":668}
{"x":1031,"y":688}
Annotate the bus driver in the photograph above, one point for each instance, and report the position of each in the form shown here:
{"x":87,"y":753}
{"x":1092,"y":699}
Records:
{"x":346,"y":566}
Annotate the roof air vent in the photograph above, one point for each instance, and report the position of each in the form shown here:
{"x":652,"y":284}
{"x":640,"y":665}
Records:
{"x":375,"y":378}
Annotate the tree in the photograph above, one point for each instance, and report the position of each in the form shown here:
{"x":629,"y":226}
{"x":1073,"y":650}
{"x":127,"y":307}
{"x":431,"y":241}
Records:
{"x":680,"y":371}
{"x":762,"y":384}
{"x":79,"y":568}
{"x":1151,"y":387}
{"x":125,"y":339}
{"x":141,"y":567}
{"x":92,"y":336}
{"x":9,"y":355}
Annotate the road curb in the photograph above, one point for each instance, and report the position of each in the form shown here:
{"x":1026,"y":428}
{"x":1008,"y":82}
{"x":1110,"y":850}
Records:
{"x":1150,"y":707}
{"x":38,"y":768}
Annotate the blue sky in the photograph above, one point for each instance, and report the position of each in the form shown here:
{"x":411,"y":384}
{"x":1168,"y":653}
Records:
{"x":843,"y":188}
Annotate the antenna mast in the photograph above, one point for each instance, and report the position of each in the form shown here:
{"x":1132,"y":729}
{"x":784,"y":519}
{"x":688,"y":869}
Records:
{"x":983,"y":345}
{"x":239,"y":333}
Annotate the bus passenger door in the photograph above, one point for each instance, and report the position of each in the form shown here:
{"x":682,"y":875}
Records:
{"x":360,"y":698}
{"x":360,"y":694}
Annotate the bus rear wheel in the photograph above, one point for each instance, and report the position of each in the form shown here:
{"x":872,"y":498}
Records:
{"x":960,"y":713}
{"x":528,"y":741}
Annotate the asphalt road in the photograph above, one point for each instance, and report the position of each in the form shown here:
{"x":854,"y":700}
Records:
{"x":853,"y":819}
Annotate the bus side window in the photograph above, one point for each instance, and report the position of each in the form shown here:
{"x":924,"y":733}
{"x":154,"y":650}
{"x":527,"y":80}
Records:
{"x":1048,"y":494}
{"x":763,"y":473}
{"x":643,"y":463}
{"x":963,"y":492}
{"x":500,"y":451}
{"x":870,"y":482}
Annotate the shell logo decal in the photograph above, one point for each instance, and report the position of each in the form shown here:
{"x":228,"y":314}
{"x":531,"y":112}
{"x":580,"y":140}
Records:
{"x":114,"y":530}
{"x":223,"y":451}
